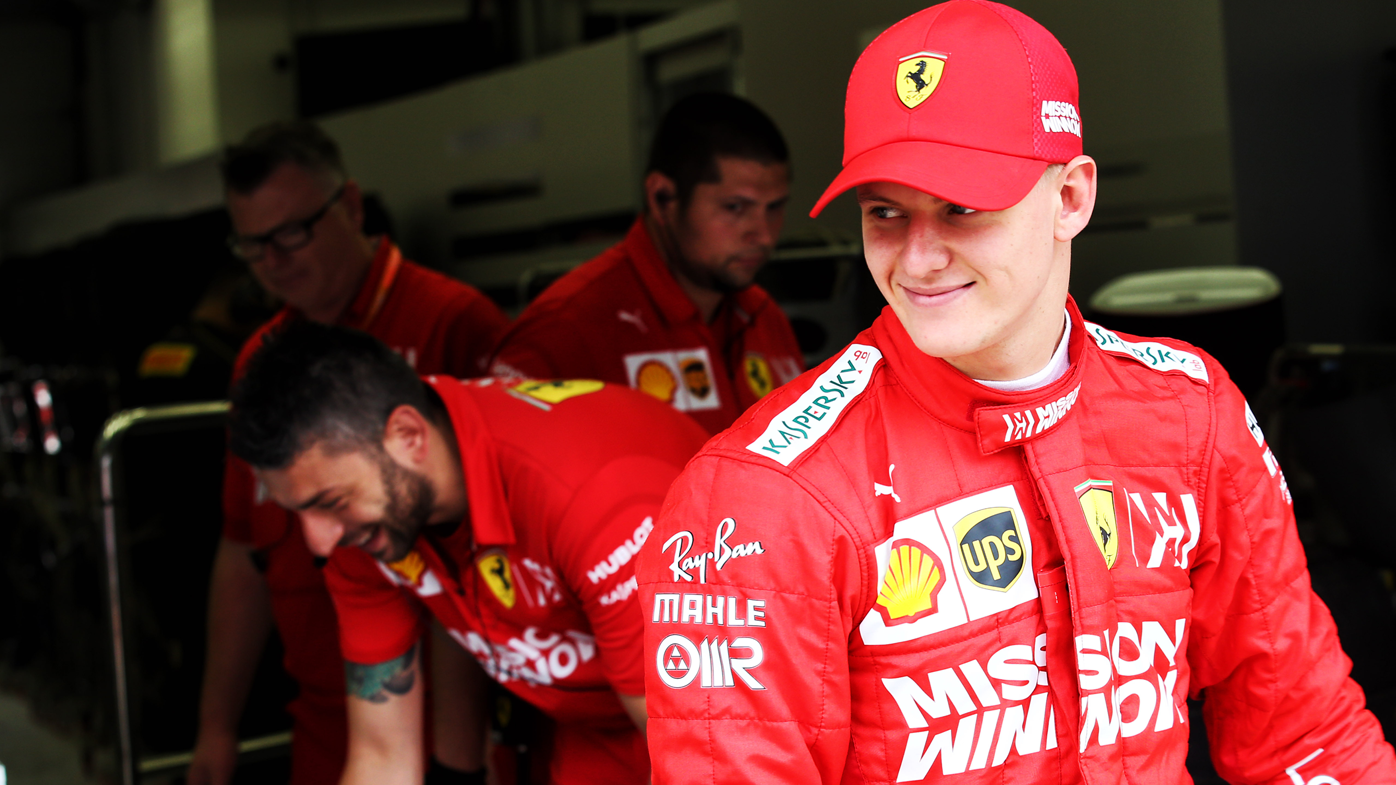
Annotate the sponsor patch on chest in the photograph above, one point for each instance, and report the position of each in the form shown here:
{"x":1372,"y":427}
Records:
{"x":796,"y":428}
{"x":944,"y":567}
{"x":536,"y":656}
{"x":412,"y":572}
{"x":1158,"y":356}
{"x":682,"y":378}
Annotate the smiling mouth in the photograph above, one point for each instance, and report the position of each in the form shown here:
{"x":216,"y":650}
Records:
{"x":364,"y":537}
{"x":935,"y":293}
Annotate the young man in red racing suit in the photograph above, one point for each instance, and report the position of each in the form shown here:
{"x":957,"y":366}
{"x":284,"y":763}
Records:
{"x":989,"y":541}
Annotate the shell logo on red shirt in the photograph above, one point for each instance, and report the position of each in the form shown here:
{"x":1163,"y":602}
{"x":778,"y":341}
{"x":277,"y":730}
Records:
{"x":410,"y":567}
{"x":682,"y":378}
{"x":961,"y":561}
{"x":654,"y":378}
{"x":494,"y":568}
{"x":911,"y":584}
{"x":411,"y":571}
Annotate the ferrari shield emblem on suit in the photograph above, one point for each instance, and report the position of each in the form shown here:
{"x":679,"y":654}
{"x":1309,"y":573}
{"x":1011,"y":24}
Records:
{"x":1098,"y":503}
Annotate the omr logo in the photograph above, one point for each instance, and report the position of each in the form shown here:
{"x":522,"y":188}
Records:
{"x":911,"y":585}
{"x":991,"y":548}
{"x":676,"y":663}
{"x":710,"y":662}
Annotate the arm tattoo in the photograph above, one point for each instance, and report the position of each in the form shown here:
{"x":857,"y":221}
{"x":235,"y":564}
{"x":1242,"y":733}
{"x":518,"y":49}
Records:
{"x":373,"y":683}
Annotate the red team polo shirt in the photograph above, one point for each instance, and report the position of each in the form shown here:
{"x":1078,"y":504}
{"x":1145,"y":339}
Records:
{"x":622,"y":318}
{"x":564,"y":480}
{"x":439,"y":325}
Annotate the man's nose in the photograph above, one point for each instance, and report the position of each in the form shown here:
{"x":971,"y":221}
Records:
{"x":273,"y":258}
{"x":925,"y":251}
{"x":764,"y":229}
{"x":322,"y":533}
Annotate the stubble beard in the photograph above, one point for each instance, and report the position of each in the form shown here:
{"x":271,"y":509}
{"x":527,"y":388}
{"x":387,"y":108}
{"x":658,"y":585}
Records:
{"x":409,"y":504}
{"x":718,"y":277}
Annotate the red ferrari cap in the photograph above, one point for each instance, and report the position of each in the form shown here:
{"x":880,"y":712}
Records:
{"x":968,"y":101}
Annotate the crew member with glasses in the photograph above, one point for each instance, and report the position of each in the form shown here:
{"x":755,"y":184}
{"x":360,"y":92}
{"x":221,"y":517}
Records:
{"x":298,"y":223}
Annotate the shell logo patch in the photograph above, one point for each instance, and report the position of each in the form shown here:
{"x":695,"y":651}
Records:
{"x":911,"y":584}
{"x":494,"y":568}
{"x":990,"y":547}
{"x":918,"y":75}
{"x":682,"y":378}
{"x":655,"y":379}
{"x":1097,"y":499}
{"x":410,"y":567}
{"x":758,"y":375}
{"x":957,"y":563}
{"x":556,"y":391}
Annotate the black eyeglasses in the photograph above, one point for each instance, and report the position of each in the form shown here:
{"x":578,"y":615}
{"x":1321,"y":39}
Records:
{"x":290,"y":236}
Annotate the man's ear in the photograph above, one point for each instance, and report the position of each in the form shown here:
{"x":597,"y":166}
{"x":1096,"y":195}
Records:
{"x":405,"y":436}
{"x":353,"y":199}
{"x":661,"y":197}
{"x":1076,"y":185}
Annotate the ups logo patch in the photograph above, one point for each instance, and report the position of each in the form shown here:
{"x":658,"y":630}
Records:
{"x":991,"y":548}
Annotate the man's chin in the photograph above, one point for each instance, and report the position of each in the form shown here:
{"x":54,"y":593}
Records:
{"x":731,"y":283}
{"x":395,"y":549}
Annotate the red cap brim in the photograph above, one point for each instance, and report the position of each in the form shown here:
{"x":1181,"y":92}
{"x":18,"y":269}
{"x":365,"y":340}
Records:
{"x":975,"y":179}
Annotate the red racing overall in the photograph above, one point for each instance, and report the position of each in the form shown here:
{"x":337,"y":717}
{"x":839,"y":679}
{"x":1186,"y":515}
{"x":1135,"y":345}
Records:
{"x":887,"y":572}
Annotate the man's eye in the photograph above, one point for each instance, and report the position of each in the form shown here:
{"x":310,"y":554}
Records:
{"x":290,"y":235}
{"x":884,"y":212}
{"x":955,"y":209}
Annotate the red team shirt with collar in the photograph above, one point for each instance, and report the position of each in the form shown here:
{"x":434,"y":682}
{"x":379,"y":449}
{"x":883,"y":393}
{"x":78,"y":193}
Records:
{"x":622,"y":318}
{"x":564,"y":480}
{"x":439,"y":325}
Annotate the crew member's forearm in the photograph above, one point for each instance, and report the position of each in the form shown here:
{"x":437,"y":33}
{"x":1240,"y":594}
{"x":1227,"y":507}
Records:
{"x":239,"y":620}
{"x":460,"y":714}
{"x":635,"y":707}
{"x":375,"y":766}
{"x":384,"y":702}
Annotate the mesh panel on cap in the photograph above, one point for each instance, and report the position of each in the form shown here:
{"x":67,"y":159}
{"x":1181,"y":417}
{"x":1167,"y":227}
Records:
{"x":1053,"y":79}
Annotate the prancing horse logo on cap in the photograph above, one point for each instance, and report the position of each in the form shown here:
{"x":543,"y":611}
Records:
{"x":918,"y":76}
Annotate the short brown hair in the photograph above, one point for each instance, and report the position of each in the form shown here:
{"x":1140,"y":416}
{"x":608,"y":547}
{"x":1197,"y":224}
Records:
{"x":248,"y":164}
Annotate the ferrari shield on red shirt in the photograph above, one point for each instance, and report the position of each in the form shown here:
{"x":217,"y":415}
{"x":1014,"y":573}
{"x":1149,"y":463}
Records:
{"x":563,"y":479}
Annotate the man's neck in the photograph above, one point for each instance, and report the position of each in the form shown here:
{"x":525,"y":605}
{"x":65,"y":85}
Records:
{"x":704,"y":299}
{"x":446,"y":474}
{"x":1055,"y":368}
{"x":1017,"y":359}
{"x":332,"y":312}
